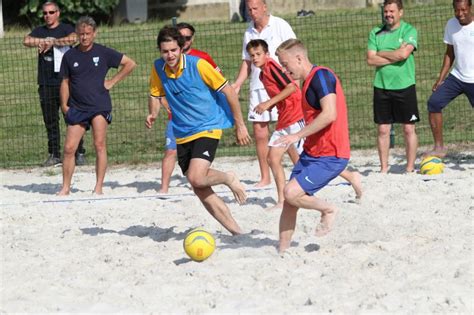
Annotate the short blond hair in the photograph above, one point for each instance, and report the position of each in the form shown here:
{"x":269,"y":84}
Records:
{"x":292,"y":44}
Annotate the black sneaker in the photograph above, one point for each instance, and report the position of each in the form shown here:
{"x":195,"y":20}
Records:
{"x":52,"y":161}
{"x":301,"y":13}
{"x":80,"y":159}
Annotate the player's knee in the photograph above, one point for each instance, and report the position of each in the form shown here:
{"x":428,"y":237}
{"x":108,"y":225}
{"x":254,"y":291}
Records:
{"x":195,"y":180}
{"x":290,"y":195}
{"x":273,"y":161}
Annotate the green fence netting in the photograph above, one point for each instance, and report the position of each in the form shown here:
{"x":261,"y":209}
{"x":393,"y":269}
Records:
{"x":334,"y":39}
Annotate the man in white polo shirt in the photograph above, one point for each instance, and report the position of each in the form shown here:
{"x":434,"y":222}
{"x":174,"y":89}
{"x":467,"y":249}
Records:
{"x":274,"y":31}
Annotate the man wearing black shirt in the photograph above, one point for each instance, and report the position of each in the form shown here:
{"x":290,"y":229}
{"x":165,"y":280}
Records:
{"x":52,"y":40}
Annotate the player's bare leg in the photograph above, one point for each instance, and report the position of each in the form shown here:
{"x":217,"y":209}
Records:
{"x":237,"y":188}
{"x":354,"y":178}
{"x":287,"y":226}
{"x":293,"y":154}
{"x":99,"y":132}
{"x":74,"y":135}
{"x":200,"y":175}
{"x":167,"y":167}
{"x":295,"y":196}
{"x":275,"y":155}
{"x":261,"y":132}
{"x":328,"y":216}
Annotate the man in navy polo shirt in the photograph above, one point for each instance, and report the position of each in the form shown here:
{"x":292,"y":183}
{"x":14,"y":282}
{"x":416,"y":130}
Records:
{"x":85,"y":98}
{"x":51,"y":40}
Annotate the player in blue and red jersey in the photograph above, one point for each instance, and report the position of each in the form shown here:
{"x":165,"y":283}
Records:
{"x":326,"y":148}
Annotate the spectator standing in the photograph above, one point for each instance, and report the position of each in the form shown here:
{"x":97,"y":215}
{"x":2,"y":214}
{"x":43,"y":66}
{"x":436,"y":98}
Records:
{"x":52,"y":40}
{"x":390,"y":51}
{"x":85,"y":98}
{"x":459,"y":40}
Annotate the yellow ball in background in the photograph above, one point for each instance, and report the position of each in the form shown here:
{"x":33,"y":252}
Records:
{"x":431,"y":165}
{"x":199,"y":244}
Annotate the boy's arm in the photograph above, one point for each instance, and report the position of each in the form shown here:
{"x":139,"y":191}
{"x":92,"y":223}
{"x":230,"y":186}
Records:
{"x":267,"y":105}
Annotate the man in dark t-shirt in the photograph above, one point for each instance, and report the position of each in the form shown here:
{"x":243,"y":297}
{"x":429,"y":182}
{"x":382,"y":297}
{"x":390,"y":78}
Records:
{"x":51,"y":40}
{"x":85,"y":98}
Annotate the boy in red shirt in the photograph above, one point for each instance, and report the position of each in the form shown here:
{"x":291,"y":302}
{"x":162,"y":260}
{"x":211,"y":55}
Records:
{"x":285,"y":94}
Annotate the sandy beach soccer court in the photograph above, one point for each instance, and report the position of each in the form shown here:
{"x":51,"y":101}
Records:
{"x":406,"y":248}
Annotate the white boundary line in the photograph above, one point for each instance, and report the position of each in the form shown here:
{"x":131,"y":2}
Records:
{"x":156,"y":196}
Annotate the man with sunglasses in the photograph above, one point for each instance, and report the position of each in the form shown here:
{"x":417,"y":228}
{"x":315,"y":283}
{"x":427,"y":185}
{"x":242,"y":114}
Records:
{"x":52,"y":40}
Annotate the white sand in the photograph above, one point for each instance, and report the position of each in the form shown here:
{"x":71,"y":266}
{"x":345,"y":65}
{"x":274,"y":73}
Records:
{"x":407,"y":248}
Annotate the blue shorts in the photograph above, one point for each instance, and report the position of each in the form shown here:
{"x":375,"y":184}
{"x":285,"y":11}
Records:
{"x":170,"y":139}
{"x":449,"y":90}
{"x":79,"y":117}
{"x":313,"y":173}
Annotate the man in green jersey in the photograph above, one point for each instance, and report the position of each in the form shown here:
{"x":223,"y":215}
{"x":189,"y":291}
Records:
{"x":390,"y":51}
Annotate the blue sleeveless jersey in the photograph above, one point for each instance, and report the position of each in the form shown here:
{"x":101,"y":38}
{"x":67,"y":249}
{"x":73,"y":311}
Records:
{"x":195,"y":107}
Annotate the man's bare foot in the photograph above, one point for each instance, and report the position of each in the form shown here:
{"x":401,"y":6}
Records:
{"x":97,"y":191}
{"x":383,"y":170}
{"x":283,"y":246}
{"x":262,"y":183}
{"x":357,"y":184}
{"x":437,"y":151}
{"x":237,"y":188}
{"x":327,"y":222}
{"x":162,"y":191}
{"x":278,"y":206}
{"x":63,"y":192}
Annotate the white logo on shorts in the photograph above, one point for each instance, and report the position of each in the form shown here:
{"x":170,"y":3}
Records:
{"x":308,"y":180}
{"x":75,"y":65}
{"x":413,"y":118}
{"x":206,"y":153}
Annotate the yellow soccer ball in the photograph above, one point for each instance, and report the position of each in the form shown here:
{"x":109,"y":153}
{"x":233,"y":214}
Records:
{"x":199,"y":244}
{"x":431,"y":165}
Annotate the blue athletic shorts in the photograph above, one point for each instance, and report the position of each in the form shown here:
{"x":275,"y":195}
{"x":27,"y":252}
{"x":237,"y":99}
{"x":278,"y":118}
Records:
{"x":79,"y":117}
{"x":313,"y":173}
{"x":170,"y":139}
{"x":449,"y":90}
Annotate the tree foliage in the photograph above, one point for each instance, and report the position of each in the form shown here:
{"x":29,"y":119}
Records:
{"x":71,"y":10}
